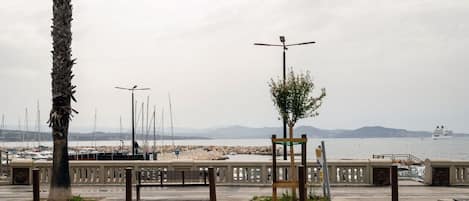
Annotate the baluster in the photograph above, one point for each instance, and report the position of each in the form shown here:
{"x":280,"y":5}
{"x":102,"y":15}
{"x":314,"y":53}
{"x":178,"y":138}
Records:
{"x":349,"y":175}
{"x":90,"y":175}
{"x":355,"y":175}
{"x":465,"y":175}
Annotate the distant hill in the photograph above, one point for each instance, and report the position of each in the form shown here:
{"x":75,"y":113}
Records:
{"x":266,"y":132}
{"x":235,"y":132}
{"x":15,"y":136}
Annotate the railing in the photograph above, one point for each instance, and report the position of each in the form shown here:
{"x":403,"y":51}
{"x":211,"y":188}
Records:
{"x":462,"y":174}
{"x":455,"y":172}
{"x":348,"y":172}
{"x":342,"y":172}
{"x":403,"y":158}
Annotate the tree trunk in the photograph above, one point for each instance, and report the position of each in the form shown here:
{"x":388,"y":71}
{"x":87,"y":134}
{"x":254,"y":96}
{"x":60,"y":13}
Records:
{"x":62,"y":94}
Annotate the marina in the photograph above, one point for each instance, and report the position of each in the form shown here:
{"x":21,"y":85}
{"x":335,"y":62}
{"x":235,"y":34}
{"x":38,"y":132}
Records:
{"x":351,"y":148}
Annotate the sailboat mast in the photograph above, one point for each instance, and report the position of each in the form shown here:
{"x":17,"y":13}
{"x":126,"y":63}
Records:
{"x":19,"y":129}
{"x":154,"y":132}
{"x":94,"y":127}
{"x":3,"y":121}
{"x":120,"y":127}
{"x":162,"y":130}
{"x":38,"y":125}
{"x":3,"y":128}
{"x":147,"y":129}
{"x":171,"y":118}
{"x":26,"y":124}
{"x":143,"y":122}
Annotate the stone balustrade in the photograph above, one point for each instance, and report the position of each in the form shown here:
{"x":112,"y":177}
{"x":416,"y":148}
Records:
{"x":446,"y":172}
{"x":342,"y":172}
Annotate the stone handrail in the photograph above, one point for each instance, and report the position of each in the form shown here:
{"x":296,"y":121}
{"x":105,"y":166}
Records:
{"x":457,"y":172}
{"x":348,"y":172}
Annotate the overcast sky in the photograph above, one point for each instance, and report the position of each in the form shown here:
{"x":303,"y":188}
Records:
{"x":396,"y":63}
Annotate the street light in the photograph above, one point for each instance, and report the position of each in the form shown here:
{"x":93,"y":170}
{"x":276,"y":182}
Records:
{"x":285,"y":48}
{"x":133,"y":121}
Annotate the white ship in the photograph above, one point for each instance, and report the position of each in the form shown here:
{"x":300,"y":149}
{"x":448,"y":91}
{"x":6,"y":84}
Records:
{"x":441,"y":133}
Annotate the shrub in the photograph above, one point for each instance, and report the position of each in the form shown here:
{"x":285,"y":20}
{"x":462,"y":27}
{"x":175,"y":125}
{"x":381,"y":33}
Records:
{"x":77,"y":198}
{"x":287,"y":197}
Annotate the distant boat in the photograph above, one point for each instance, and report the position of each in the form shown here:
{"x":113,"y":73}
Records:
{"x":441,"y":133}
{"x":35,"y":155}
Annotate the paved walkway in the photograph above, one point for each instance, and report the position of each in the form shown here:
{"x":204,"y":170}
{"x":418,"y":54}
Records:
{"x":114,"y":193}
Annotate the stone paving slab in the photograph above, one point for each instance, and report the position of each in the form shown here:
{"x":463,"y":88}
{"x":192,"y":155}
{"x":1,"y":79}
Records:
{"x":117,"y":193}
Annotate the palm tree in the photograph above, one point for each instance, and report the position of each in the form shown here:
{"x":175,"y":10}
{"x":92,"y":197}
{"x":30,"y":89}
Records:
{"x":294,"y":101}
{"x":62,"y":94}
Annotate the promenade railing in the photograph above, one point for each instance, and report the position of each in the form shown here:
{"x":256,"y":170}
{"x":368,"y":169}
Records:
{"x":446,"y":172}
{"x":347,"y":172}
{"x":342,"y":172}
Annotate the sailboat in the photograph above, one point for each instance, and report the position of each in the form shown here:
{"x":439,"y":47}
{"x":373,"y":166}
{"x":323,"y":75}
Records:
{"x":174,"y":148}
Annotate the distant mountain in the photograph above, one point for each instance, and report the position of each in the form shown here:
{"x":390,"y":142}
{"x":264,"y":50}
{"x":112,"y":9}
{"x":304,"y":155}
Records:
{"x":378,"y":131}
{"x":16,"y":135}
{"x":236,"y":132}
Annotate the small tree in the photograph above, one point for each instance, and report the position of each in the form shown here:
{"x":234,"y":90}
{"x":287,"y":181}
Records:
{"x":294,"y":100}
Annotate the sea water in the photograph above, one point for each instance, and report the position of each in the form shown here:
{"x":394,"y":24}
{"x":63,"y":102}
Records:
{"x":336,"y":148}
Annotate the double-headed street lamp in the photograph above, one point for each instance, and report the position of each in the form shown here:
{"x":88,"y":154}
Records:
{"x":285,"y":48}
{"x":133,"y":116}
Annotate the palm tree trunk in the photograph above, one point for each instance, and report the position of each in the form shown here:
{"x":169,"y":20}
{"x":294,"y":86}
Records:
{"x":62,"y":94}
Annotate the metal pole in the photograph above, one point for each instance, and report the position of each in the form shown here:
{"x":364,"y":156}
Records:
{"x":36,"y":184}
{"x":394,"y":184}
{"x":133,"y":127}
{"x":274,"y":168}
{"x":274,"y":159}
{"x":285,"y":172}
{"x":284,"y":119}
{"x":211,"y":180}
{"x":326,"y":173}
{"x":303,"y":162}
{"x":302,"y":182}
{"x":303,"y":151}
{"x":139,"y":177}
{"x":128,"y":184}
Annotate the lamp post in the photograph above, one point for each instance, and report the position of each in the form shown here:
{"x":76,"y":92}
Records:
{"x":133,"y":116}
{"x":285,"y":48}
